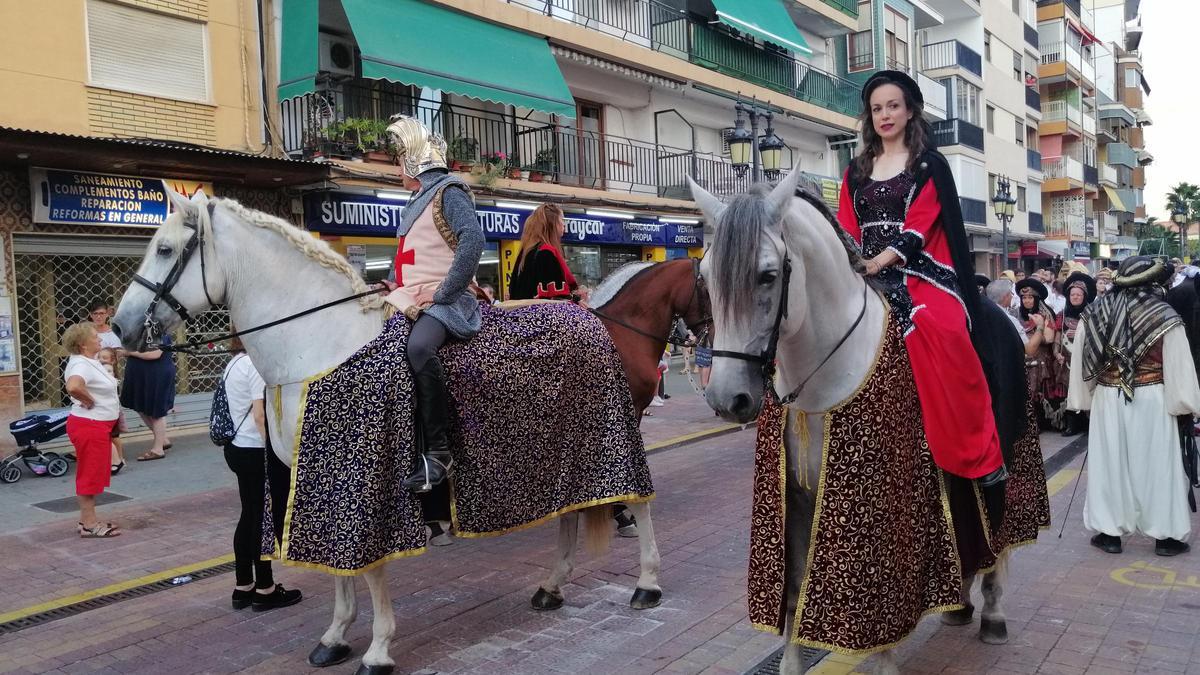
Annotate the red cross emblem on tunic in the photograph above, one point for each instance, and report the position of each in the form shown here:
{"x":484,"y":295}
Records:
{"x":403,"y":258}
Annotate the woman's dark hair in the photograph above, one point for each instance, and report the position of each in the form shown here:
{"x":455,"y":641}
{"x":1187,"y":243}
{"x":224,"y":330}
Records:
{"x":97,"y":304}
{"x":918,"y":133}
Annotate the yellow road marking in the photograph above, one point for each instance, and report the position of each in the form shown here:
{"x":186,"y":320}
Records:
{"x":1166,"y":578}
{"x":114,"y":588}
{"x":695,"y":435}
{"x":1060,"y":480}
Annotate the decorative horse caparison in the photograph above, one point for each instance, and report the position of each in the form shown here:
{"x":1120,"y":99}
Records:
{"x":218,"y":252}
{"x":825,"y":297}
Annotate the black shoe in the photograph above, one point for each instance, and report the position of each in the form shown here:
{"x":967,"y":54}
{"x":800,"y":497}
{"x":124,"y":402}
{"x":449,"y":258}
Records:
{"x":433,"y":411}
{"x":242,"y":599}
{"x":1071,"y":424}
{"x":280,"y":597}
{"x":993,"y":486}
{"x":1107,"y":543}
{"x":1170,"y":547}
{"x":665,"y":397}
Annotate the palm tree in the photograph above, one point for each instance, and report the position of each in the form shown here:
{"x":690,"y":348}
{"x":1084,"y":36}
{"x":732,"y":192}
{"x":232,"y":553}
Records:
{"x":1185,"y":197}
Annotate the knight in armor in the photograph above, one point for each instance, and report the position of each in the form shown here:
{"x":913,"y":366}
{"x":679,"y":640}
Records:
{"x":900,"y":203}
{"x":1132,"y":367}
{"x":440,"y":242}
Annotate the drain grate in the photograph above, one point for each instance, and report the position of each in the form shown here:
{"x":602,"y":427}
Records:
{"x":106,"y":600}
{"x":770,"y":665}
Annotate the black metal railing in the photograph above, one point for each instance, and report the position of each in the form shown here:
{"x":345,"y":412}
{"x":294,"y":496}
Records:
{"x":1033,"y":99}
{"x":957,"y":132}
{"x":1033,"y":159}
{"x":673,"y":31}
{"x":951,"y":53}
{"x":1031,"y":36}
{"x":1091,"y":175}
{"x":974,"y":211}
{"x":316,"y":124}
{"x":1035,"y":223}
{"x":850,"y":7}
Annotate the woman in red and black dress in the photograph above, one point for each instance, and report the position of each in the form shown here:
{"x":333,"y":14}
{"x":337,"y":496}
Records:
{"x":541,"y":272}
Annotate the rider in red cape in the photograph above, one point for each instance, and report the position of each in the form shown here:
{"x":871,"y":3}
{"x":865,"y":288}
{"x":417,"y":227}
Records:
{"x":541,"y":272}
{"x":909,"y":225}
{"x":440,"y":242}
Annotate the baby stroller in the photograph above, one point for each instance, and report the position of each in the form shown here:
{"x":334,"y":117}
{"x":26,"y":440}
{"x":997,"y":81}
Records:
{"x":28,"y":432}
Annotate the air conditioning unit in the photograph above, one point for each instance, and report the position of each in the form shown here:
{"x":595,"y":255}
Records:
{"x":337,"y":55}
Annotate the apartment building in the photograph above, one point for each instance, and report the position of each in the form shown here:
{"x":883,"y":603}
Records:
{"x":107,"y":103}
{"x":602,"y":106}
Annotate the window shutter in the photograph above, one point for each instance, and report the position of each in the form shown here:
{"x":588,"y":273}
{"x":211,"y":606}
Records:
{"x":145,"y":52}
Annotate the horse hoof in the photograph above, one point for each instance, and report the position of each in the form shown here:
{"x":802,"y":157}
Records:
{"x":644,"y":598}
{"x":993,"y":632}
{"x":545,"y":600}
{"x":441,"y":540}
{"x":628,"y":531}
{"x":364,"y":669}
{"x":959,"y":617}
{"x":322,"y":656}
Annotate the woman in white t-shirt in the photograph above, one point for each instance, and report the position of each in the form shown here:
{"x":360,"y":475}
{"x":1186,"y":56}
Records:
{"x":247,"y":457}
{"x":94,"y":412}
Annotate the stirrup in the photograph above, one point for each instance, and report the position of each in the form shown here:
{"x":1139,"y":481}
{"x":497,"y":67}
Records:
{"x":428,"y":485}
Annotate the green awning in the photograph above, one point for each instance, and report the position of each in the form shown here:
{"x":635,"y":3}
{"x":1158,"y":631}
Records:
{"x":298,"y":51}
{"x":430,"y":46}
{"x":765,"y":19}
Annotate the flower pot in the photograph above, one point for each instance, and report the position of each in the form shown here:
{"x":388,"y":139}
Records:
{"x":535,"y":176}
{"x":379,"y":157}
{"x":514,"y":174}
{"x":525,"y":175}
{"x":455,"y":165}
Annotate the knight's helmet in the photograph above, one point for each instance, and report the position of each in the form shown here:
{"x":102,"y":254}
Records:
{"x":419,"y":148}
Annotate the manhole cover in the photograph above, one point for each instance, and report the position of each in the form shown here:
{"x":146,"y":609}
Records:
{"x":69,"y":504}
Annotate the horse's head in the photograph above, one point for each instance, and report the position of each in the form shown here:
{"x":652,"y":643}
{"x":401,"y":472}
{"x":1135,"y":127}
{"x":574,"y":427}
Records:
{"x":178,"y":277}
{"x":746,"y":271}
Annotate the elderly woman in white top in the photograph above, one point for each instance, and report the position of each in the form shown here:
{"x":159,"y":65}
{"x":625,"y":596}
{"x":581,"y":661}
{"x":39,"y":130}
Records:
{"x":94,"y":411}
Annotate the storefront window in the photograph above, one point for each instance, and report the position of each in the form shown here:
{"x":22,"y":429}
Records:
{"x":584,"y":263}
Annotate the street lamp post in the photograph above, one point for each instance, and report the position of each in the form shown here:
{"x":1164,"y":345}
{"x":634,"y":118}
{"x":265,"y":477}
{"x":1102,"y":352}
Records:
{"x":1003,"y":202}
{"x":1179,"y":216}
{"x":748,"y":152}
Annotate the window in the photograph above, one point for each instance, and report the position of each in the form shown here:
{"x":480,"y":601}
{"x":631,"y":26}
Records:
{"x":991,"y":120}
{"x":896,"y":39}
{"x":1021,"y":198}
{"x":135,"y":50}
{"x":1020,"y":135}
{"x":1016,"y":5}
{"x":987,"y":46}
{"x":1018,"y":66}
{"x":860,"y":52}
{"x":1131,"y":78}
{"x":966,"y":104}
{"x":991,"y":185}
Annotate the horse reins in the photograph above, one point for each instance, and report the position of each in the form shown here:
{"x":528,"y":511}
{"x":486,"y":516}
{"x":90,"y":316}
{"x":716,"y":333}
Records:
{"x":766,"y":359}
{"x":697,"y":282}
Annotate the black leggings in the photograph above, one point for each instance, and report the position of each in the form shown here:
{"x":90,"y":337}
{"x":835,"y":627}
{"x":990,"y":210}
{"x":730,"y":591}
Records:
{"x":251,"y":466}
{"x":426,"y":337}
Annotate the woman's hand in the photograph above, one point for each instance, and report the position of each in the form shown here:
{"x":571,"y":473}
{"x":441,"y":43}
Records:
{"x":389,"y":285}
{"x":878,"y":263}
{"x":77,"y":389}
{"x":1039,"y":321}
{"x":424,"y":298}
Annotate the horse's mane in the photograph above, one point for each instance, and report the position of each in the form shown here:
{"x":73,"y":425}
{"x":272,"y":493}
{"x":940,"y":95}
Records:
{"x":313,"y":248}
{"x":735,"y":245}
{"x":614,"y":283}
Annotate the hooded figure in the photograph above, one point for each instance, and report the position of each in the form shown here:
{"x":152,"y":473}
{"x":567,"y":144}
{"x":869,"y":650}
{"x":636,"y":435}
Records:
{"x":1079,"y":291}
{"x":440,"y":242}
{"x":1131,"y":366}
{"x":1038,"y":321}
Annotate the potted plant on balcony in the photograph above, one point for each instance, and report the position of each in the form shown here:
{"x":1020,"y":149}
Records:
{"x":515,"y":171}
{"x":545,"y":163}
{"x":461,"y":151}
{"x":531,"y":173}
{"x":376,"y":141}
{"x":495,"y":166}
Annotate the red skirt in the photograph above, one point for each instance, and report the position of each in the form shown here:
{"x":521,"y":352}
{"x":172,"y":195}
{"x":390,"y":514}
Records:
{"x":93,"y":451}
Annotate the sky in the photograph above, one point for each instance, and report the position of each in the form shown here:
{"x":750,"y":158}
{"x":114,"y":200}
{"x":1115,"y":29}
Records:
{"x":1169,"y":60}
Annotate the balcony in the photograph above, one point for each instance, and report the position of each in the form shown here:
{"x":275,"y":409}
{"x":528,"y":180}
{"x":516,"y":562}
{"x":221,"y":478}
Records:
{"x":1121,"y":153}
{"x":1058,"y":111}
{"x":849,"y":7}
{"x":1072,"y":5}
{"x":957,"y":132}
{"x":1033,"y":99}
{"x":1089,"y":71}
{"x":974,"y":211}
{"x":665,"y":29}
{"x":314,"y":125}
{"x":951,"y":54}
{"x":934,"y":93}
{"x":1108,"y":175}
{"x":1056,"y":52}
{"x":1062,"y":227}
{"x":1062,"y":167}
{"x":1033,"y":160}
{"x":1090,"y":175}
{"x":1031,"y":36}
{"x":1089,"y":123}
{"x":1035,"y":223}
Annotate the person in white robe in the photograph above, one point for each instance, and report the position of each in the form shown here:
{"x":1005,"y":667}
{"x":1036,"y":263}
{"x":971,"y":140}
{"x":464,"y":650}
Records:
{"x":1133,"y":369}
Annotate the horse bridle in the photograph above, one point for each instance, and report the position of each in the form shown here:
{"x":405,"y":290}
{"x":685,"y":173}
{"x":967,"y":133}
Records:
{"x":698,"y":284}
{"x":766,"y":358}
{"x":162,"y":290}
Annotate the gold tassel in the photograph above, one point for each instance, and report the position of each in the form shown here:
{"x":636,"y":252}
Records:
{"x":802,"y":433}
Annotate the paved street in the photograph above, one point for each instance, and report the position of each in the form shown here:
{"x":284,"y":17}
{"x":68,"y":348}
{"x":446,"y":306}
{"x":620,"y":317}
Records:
{"x":464,"y":609}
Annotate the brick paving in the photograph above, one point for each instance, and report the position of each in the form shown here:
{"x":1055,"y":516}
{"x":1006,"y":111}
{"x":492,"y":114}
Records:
{"x":464,"y":609}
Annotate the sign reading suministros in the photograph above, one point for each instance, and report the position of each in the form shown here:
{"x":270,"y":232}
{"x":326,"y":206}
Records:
{"x":350,"y":214}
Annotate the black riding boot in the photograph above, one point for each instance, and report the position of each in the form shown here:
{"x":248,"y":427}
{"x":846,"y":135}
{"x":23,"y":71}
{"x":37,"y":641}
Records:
{"x":992,"y":486}
{"x":433,"y":410}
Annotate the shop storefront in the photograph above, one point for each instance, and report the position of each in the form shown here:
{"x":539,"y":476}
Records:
{"x":362,"y":227}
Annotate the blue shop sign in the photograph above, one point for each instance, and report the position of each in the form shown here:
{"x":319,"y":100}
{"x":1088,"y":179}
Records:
{"x":370,"y":216}
{"x":82,"y":198}
{"x":1081,"y":249}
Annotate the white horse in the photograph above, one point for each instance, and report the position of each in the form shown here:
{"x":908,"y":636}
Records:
{"x":825,"y":297}
{"x":262,"y":268}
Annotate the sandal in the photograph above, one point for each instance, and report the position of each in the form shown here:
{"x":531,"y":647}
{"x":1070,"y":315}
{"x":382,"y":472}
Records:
{"x":99,"y":531}
{"x":150,"y":456}
{"x":116,"y":468}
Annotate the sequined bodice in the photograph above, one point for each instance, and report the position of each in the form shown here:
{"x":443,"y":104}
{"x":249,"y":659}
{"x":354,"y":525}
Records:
{"x":880,"y":205}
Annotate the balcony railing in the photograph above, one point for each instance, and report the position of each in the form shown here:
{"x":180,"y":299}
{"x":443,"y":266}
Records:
{"x":951,"y":54}
{"x":935,"y":95}
{"x":1035,"y":223}
{"x":666,"y":29}
{"x":1121,"y":153}
{"x":1053,"y":52}
{"x":1108,"y":174}
{"x":1033,"y":159}
{"x":974,"y":211}
{"x":957,"y":132}
{"x":1031,"y":36}
{"x":850,"y":7}
{"x":1062,"y":167}
{"x":1033,"y":98}
{"x":565,"y":155}
{"x":1089,"y":71}
{"x":1089,"y":123}
{"x":1057,"y":111}
{"x":1090,"y":175}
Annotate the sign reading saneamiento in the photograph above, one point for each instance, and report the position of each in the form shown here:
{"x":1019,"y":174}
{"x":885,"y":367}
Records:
{"x":81,"y":198}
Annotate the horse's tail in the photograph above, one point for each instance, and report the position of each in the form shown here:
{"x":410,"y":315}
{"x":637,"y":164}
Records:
{"x":1002,"y":563}
{"x":597,"y":529}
